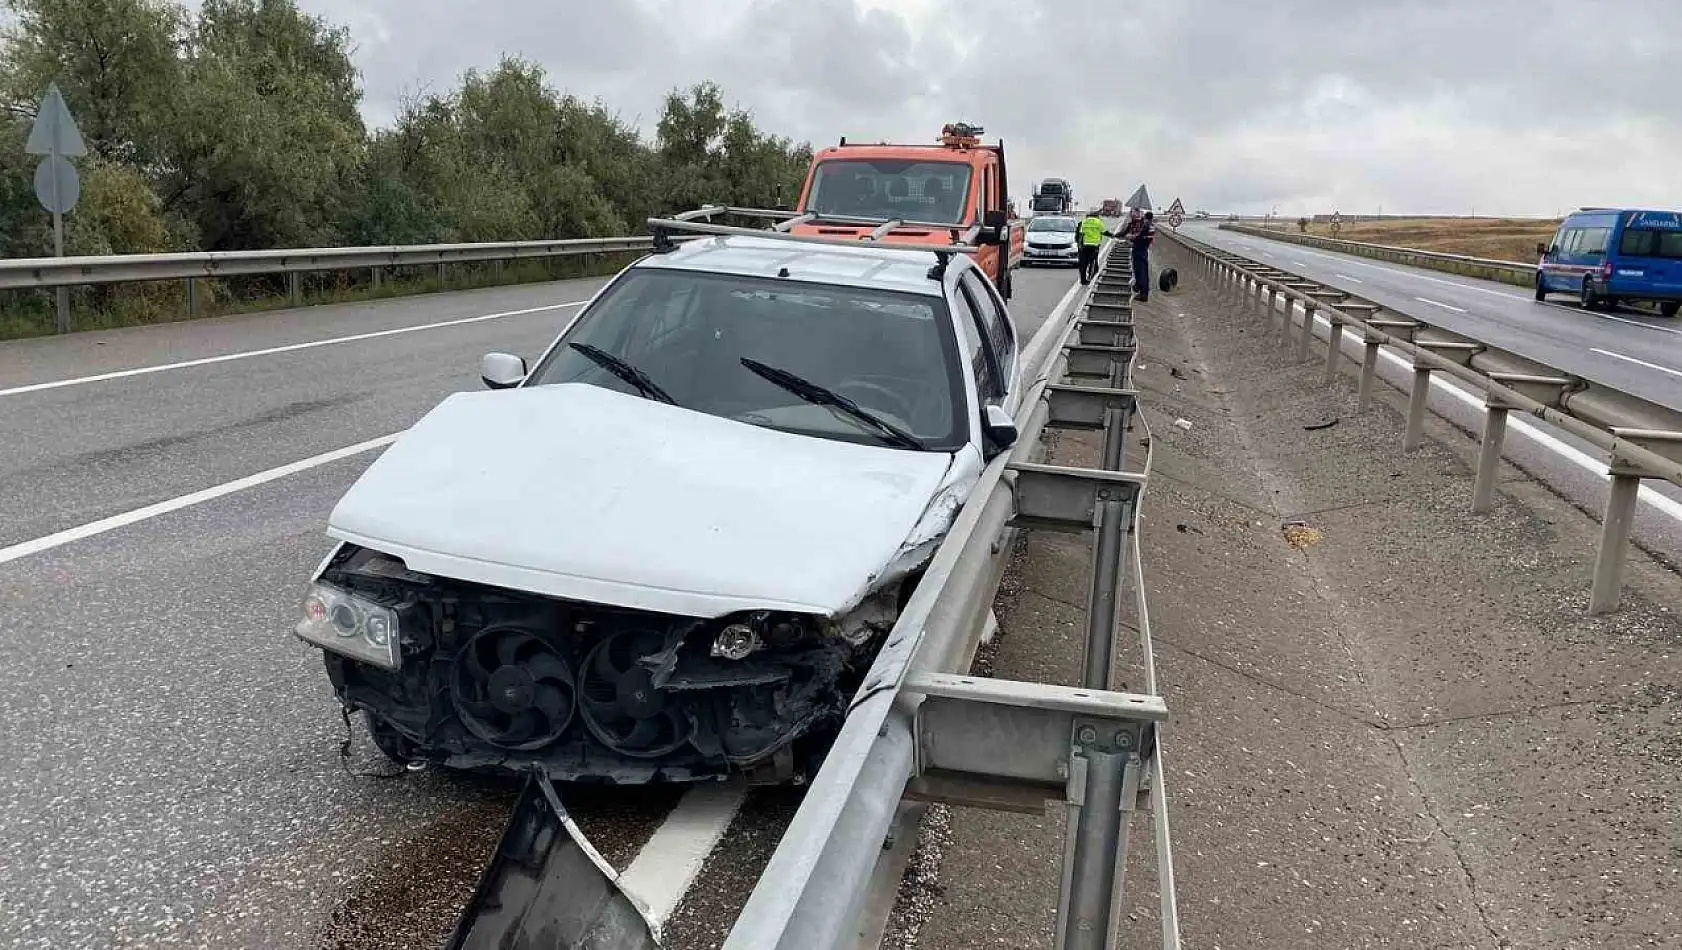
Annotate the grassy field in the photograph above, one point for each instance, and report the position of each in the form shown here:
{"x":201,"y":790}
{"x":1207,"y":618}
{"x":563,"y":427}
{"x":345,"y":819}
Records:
{"x":1502,"y":239}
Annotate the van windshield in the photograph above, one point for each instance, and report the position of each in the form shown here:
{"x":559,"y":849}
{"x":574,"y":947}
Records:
{"x":1649,"y":242}
{"x":891,"y":188}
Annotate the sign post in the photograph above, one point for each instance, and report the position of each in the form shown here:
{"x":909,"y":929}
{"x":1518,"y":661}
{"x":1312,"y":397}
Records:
{"x":57,"y":186}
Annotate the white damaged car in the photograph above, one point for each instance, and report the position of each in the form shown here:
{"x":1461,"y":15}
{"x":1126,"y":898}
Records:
{"x":671,"y":550}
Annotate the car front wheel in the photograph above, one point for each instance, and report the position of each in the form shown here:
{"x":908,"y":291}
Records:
{"x":1669,"y":308}
{"x":1541,"y":289}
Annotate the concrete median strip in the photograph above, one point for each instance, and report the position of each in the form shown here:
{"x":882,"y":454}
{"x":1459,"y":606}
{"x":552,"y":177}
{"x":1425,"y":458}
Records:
{"x":288,"y":348}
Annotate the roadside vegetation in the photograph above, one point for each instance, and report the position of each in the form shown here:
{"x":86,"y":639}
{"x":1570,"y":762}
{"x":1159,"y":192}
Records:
{"x":1501,"y":239}
{"x":236,"y":126}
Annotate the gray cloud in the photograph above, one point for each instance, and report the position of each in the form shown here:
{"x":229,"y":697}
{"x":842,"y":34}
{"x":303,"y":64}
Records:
{"x":1505,"y":106}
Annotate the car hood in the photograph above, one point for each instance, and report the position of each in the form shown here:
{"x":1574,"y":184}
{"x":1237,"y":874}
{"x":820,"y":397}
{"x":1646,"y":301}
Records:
{"x":1052,"y":237}
{"x":584,"y":493}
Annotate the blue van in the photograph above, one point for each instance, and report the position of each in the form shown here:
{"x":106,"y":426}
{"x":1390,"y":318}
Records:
{"x":1607,"y":257}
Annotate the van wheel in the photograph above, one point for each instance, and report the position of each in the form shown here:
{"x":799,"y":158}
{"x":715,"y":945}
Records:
{"x":1669,"y":308}
{"x":1541,"y":294}
{"x":1591,"y":297}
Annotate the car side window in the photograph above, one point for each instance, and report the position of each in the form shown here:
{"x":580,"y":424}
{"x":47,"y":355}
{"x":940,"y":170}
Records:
{"x":995,"y":322}
{"x":981,"y":360}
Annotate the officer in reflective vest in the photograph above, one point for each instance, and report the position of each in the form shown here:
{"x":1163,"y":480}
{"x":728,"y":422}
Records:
{"x":1089,"y":236}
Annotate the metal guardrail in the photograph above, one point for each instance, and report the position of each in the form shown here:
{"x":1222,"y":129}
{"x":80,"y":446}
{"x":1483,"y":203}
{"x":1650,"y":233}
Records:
{"x":1640,"y":439}
{"x":1507,"y":272}
{"x":47,"y":273}
{"x":921,"y":728}
{"x":56,"y":272}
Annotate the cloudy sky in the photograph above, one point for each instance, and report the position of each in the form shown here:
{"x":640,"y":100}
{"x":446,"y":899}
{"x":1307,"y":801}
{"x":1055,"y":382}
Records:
{"x":1423,"y":106}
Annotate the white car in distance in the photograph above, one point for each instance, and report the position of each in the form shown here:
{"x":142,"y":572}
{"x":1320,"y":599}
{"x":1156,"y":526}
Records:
{"x":671,"y":549}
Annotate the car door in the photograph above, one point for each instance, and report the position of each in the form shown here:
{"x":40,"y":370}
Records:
{"x":978,"y":356}
{"x":997,"y":330}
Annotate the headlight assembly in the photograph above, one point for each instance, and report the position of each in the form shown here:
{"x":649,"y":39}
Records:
{"x":350,"y":625}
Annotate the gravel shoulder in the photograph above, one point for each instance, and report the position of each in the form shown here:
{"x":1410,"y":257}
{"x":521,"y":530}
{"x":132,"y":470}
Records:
{"x":1398,"y":730}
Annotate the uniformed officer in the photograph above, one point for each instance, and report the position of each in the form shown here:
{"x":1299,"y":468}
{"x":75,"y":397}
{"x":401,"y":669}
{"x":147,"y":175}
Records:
{"x":1089,"y":236}
{"x":1142,"y":231}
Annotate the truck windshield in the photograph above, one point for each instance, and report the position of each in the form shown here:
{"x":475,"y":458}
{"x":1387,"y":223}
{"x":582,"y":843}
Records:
{"x":892,"y":354}
{"x":930,"y":192}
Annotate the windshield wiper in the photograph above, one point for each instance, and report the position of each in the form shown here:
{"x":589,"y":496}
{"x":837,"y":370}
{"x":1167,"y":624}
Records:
{"x":819,"y":396}
{"x":625,"y":371}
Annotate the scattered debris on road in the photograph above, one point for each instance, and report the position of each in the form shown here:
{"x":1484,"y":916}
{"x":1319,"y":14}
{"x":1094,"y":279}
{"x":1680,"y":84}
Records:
{"x":1299,"y":535}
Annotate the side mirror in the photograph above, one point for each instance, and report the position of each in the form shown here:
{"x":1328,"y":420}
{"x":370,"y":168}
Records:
{"x":1541,"y":248}
{"x":999,"y":429}
{"x":502,"y":370}
{"x":996,"y":219}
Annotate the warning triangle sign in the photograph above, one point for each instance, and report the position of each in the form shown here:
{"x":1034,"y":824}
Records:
{"x":1141,"y":199}
{"x":54,"y":132}
{"x":1176,"y":207}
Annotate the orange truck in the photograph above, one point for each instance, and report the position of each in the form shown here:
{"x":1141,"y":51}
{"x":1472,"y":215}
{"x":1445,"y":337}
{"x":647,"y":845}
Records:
{"x":954,"y":192}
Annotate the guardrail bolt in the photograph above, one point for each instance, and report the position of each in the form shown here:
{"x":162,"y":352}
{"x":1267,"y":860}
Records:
{"x":1123,"y":739}
{"x":1087,"y":735}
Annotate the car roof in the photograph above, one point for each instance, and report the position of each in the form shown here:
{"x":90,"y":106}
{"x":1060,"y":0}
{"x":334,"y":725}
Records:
{"x":874,"y":265}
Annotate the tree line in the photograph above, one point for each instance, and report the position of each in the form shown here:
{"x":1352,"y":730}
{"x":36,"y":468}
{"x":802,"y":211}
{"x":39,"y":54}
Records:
{"x":238,"y":127}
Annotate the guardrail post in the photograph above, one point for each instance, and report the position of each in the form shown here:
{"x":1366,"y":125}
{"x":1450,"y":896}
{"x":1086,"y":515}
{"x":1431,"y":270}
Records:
{"x":1421,"y":392}
{"x":1607,"y":591}
{"x":1369,"y":371}
{"x":443,"y":275}
{"x":1489,"y":454}
{"x":378,"y":276}
{"x":1334,"y":349}
{"x":192,"y":297}
{"x":1109,"y":792}
{"x":295,"y":288}
{"x":61,"y":318}
{"x":1287,"y":324}
{"x":1308,"y":311}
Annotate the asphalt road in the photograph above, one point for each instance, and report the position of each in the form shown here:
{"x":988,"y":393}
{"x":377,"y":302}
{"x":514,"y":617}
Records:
{"x":170,"y":771}
{"x":1629,"y":350}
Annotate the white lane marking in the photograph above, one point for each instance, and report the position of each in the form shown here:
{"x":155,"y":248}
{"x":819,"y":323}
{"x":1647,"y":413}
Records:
{"x":112,"y":523}
{"x":1631,"y":359}
{"x":1607,"y":316}
{"x":1352,"y":280}
{"x":288,"y":348}
{"x":669,"y":862}
{"x":1299,"y":263}
{"x":1438,"y":303}
{"x":1666,"y":505}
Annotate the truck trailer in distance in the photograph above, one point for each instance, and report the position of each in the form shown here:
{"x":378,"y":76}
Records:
{"x":1053,"y":196}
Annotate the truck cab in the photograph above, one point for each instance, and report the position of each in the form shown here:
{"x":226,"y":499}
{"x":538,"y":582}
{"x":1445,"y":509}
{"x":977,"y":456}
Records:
{"x":954,"y":192}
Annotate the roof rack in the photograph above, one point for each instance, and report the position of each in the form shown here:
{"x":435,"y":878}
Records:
{"x":699,"y":222}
